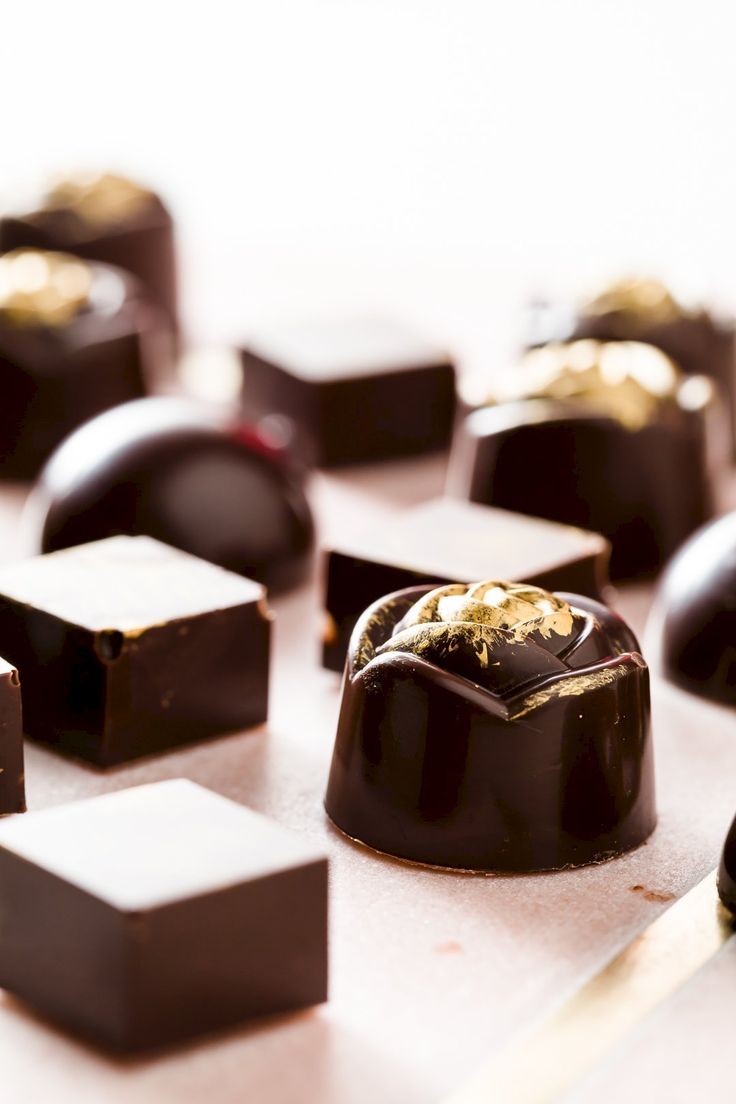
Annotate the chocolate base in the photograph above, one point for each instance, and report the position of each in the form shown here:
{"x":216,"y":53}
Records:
{"x":431,"y":767}
{"x":727,"y":871}
{"x":12,"y":776}
{"x":644,"y":489}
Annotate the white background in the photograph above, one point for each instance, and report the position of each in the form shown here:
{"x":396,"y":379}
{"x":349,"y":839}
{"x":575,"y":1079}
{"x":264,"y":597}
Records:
{"x":442,"y":158}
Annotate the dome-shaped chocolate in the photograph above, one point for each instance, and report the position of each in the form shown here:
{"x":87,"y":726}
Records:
{"x":694,"y":615}
{"x":493,"y":727}
{"x":727,"y":870}
{"x":168,"y":469}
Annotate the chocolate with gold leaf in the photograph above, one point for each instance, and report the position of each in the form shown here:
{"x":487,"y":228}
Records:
{"x":108,"y":218}
{"x":493,"y":727}
{"x":610,"y":436}
{"x":75,"y":338}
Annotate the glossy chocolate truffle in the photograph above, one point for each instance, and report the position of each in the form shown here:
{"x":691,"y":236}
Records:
{"x":12,"y":776}
{"x":644,"y":309}
{"x":727,"y":871}
{"x":494,"y":727}
{"x":172,"y":470}
{"x":75,"y":339}
{"x":606,"y":435}
{"x":128,"y":647}
{"x":356,"y":390}
{"x":148,"y":916}
{"x":443,"y":541}
{"x":103,"y":217}
{"x":694,"y":614}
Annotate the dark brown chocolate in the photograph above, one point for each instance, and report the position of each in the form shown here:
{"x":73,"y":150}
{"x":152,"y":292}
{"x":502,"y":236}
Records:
{"x":596,"y":446}
{"x":144,"y":917}
{"x":727,"y":871}
{"x":493,"y":727}
{"x":104,"y":218}
{"x":168,"y":469}
{"x":694,"y":614}
{"x":446,"y":540}
{"x":127,"y":647}
{"x":12,"y":777}
{"x":356,"y":391}
{"x":64,"y":363}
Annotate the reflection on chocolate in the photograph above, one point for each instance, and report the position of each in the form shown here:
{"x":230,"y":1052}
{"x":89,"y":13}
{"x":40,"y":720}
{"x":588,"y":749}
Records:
{"x":444,"y":540}
{"x":493,"y":727}
{"x":727,"y":871}
{"x":356,"y":390}
{"x":107,"y":218}
{"x":607,"y":436}
{"x":168,"y":469}
{"x":75,"y":339}
{"x":694,"y":615}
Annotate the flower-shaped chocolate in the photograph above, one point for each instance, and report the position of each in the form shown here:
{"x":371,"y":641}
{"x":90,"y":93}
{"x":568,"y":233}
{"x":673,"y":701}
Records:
{"x":42,"y":288}
{"x":493,"y":726}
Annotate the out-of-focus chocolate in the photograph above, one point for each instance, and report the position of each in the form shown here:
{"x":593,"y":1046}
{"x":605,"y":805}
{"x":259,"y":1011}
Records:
{"x":103,"y":217}
{"x":127,"y":647}
{"x":605,"y":435}
{"x":356,"y":390}
{"x":75,"y":339}
{"x":144,"y":917}
{"x":12,"y":777}
{"x":693,"y":620}
{"x":446,"y":540}
{"x":727,"y":871}
{"x":172,"y":470}
{"x":641,"y":309}
{"x":493,"y":727}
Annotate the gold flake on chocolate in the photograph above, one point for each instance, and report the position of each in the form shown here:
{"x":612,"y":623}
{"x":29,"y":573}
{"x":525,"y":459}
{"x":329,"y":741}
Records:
{"x":644,"y":302}
{"x":40,"y":288}
{"x":477,"y":619}
{"x":101,"y":200}
{"x":627,"y":380}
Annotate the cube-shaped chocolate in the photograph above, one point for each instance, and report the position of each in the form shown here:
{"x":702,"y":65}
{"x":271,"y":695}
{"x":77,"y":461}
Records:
{"x":445,"y":541}
{"x":153,"y":914}
{"x":355,"y":390}
{"x":126,"y":646}
{"x":12,"y":779}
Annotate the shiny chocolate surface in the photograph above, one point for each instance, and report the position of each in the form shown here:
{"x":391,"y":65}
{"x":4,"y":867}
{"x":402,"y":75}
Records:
{"x":493,"y":728}
{"x":171,"y":470}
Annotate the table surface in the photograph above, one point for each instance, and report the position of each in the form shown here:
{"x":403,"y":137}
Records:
{"x":431,"y":972}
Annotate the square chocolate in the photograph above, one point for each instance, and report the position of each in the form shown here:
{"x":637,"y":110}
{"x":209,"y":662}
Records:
{"x":448,"y":541}
{"x":12,"y":779}
{"x":156,"y":913}
{"x":126,"y":647}
{"x":356,"y":390}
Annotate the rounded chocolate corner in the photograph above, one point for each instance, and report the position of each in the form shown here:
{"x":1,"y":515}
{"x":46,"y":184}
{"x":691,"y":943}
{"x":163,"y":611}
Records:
{"x":432,"y":767}
{"x":694,"y":613}
{"x":727,"y":871}
{"x":164,"y":468}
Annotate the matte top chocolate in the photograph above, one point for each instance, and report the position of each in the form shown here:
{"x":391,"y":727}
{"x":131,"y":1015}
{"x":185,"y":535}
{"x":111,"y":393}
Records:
{"x":345,"y":348}
{"x":124,"y":583}
{"x":447,"y":536}
{"x":153,"y":845}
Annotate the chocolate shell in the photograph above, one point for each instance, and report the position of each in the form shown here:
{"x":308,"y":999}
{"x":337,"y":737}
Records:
{"x":169,"y":469}
{"x":694,"y":613}
{"x":493,"y":727}
{"x":727,"y":870}
{"x":103,"y":217}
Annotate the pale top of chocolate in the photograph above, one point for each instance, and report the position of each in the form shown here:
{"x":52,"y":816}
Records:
{"x":101,"y":200}
{"x":344,"y":348}
{"x":153,"y":845}
{"x":42,"y":288}
{"x":125,"y":584}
